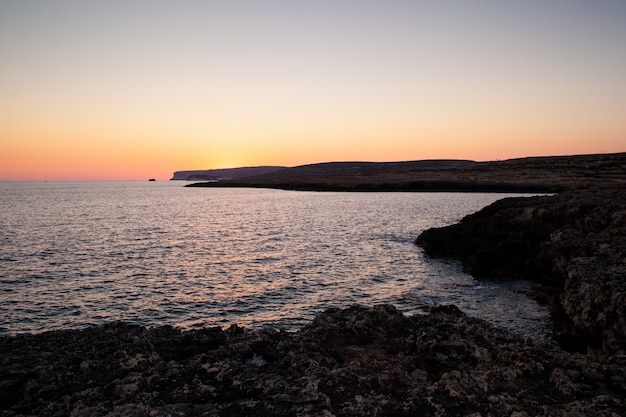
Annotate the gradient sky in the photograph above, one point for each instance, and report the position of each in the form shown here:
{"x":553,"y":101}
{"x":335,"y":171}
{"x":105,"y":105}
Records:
{"x":138,"y":89}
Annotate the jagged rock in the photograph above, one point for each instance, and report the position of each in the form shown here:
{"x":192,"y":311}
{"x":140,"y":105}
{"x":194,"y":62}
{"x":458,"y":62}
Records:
{"x":348,"y":362}
{"x":574,"y":242}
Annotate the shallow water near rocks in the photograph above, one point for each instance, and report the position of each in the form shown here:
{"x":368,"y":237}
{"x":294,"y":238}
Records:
{"x":82,"y":253}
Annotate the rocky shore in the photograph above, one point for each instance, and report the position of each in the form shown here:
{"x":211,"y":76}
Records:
{"x":573,"y":243}
{"x":351,"y":362}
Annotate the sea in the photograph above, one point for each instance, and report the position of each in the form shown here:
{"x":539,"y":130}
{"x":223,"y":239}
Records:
{"x":78,"y":254}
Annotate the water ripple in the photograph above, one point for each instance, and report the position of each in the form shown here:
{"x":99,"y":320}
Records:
{"x":76,"y":254}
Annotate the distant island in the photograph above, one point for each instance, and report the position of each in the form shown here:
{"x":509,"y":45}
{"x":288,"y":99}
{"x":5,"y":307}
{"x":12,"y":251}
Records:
{"x":533,"y":174}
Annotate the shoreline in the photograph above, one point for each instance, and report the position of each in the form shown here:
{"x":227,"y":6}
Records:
{"x":357,"y":360}
{"x":572,"y":244}
{"x":417,"y":187}
{"x":347,"y":362}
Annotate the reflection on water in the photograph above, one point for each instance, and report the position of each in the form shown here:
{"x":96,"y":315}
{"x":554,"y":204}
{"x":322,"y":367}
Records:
{"x":73,"y":254}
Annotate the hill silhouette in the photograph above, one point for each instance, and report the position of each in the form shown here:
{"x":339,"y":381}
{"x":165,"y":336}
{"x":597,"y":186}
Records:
{"x":222,"y":174}
{"x":531,"y":174}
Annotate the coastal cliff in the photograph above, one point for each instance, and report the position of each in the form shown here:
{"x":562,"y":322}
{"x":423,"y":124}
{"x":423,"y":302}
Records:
{"x":223,"y":174}
{"x":574,"y":243}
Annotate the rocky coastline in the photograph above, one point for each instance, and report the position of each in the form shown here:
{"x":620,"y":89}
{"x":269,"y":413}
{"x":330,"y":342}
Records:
{"x":357,"y":361}
{"x":375,"y":361}
{"x":572,"y":243}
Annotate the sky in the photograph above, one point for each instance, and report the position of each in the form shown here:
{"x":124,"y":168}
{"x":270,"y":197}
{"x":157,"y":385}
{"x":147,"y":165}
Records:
{"x":116,"y":90}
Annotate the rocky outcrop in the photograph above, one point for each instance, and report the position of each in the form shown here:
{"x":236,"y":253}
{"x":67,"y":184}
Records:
{"x":348,"y":362}
{"x":574,"y":243}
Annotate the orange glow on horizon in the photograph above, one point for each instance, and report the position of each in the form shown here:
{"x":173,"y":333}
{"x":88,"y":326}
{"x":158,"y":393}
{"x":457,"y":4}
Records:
{"x":55,"y":159}
{"x":118,"y":92}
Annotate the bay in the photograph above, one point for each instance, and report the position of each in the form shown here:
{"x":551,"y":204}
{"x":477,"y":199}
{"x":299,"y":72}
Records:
{"x":74,"y":254}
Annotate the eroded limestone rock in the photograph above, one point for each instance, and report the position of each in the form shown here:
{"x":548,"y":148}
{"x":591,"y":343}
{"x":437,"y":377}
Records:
{"x":348,"y":362}
{"x":573,"y":243}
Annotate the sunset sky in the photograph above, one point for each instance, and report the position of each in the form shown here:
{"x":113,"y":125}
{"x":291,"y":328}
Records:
{"x":139,"y":89}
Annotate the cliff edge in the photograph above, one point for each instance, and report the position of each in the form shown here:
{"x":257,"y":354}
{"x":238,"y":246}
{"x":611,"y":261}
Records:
{"x":223,"y":174}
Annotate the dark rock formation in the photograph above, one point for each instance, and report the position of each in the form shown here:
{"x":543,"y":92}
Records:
{"x":573,"y":242}
{"x":351,"y":362}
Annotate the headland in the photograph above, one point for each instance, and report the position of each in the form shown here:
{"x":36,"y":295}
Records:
{"x":525,"y":175}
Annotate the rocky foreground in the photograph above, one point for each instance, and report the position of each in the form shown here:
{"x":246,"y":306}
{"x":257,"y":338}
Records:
{"x":352,"y":362}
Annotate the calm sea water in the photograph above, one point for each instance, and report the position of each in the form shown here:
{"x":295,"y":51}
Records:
{"x":81,"y":253}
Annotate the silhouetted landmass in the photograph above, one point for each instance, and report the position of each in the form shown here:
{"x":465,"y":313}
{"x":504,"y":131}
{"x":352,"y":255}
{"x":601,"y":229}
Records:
{"x":366,"y":168}
{"x":223,"y":174}
{"x":536,"y":174}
